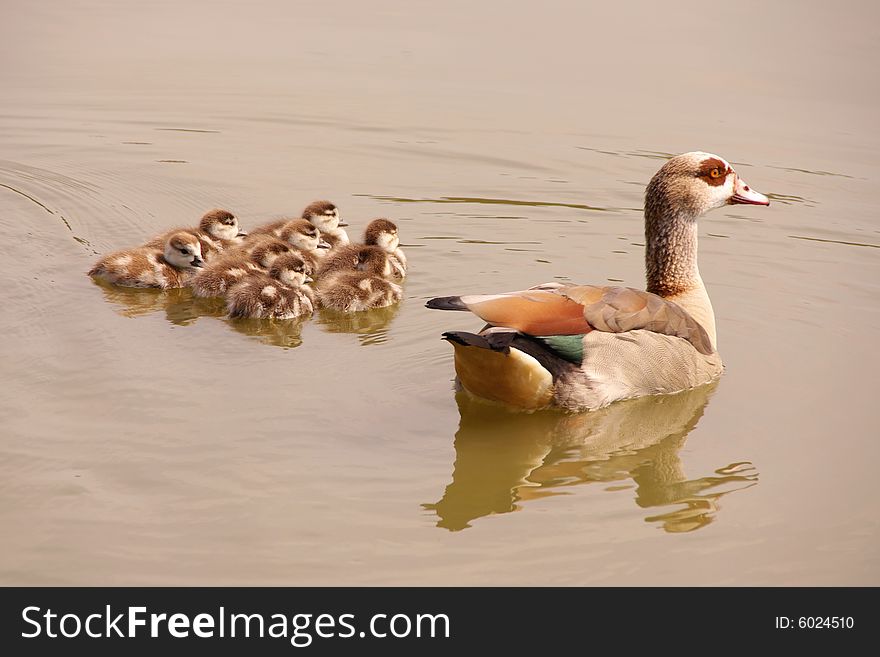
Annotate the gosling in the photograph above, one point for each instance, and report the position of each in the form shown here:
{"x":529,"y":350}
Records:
{"x":324,"y":216}
{"x":222,"y":273}
{"x":381,"y":233}
{"x":280,"y":295}
{"x":363,"y":289}
{"x":218,"y":231}
{"x":264,"y":249}
{"x":301,"y":235}
{"x":143,"y":266}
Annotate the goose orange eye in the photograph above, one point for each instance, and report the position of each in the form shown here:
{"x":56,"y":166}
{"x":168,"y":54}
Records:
{"x":715,"y":173}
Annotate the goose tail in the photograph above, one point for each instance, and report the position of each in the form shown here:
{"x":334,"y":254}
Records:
{"x":446,"y":303}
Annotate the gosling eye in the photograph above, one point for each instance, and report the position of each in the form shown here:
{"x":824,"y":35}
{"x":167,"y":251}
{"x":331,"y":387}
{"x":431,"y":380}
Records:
{"x":185,"y":251}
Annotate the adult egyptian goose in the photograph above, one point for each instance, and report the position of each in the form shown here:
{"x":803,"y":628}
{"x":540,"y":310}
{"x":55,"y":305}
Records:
{"x":581,"y":347}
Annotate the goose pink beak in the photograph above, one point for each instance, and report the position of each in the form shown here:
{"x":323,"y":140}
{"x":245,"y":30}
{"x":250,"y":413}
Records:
{"x":744,"y":194}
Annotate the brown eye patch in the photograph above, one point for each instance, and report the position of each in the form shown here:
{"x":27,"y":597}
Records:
{"x":713,"y":171}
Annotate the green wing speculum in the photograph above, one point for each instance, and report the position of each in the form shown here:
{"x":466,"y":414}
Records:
{"x":567,"y":347}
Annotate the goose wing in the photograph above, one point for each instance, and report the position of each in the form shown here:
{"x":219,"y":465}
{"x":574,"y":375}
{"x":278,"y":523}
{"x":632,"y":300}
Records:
{"x":554,"y":309}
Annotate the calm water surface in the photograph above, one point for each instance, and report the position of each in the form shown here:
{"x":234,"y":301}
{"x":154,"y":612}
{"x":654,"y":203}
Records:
{"x":147,"y":440}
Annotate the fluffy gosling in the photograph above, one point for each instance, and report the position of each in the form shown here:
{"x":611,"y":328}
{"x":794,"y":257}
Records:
{"x":168,"y":267}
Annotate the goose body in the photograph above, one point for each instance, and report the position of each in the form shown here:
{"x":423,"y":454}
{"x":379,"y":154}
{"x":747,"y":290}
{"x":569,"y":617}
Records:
{"x":218,"y":231}
{"x":169,"y":267}
{"x":582,"y":347}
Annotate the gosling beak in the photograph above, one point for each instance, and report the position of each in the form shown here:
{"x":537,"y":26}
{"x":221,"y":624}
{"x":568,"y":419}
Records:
{"x":197,"y":262}
{"x":309,"y":279}
{"x":342,"y":224}
{"x":744,"y":194}
{"x":241,"y":233}
{"x":323,"y":245}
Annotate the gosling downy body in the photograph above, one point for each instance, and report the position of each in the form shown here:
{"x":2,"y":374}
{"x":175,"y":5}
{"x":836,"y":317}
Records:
{"x":381,"y":234}
{"x":264,"y":249}
{"x":582,"y":347}
{"x":256,"y":257}
{"x":215,"y":278}
{"x":282,"y":294}
{"x":364,"y":288}
{"x":170,"y":267}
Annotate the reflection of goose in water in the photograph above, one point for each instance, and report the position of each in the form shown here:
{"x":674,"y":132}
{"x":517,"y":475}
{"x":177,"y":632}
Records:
{"x":371,"y":326}
{"x":504,"y":459}
{"x":179,"y":304}
{"x":182,"y":308}
{"x":285,"y":333}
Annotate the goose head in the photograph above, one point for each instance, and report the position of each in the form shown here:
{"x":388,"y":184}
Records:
{"x":221,"y":224}
{"x":291,"y":270}
{"x":266,"y":250}
{"x":382,"y":233}
{"x":302,"y":234}
{"x":693,"y":183}
{"x":183,"y":251}
{"x":324,"y":215}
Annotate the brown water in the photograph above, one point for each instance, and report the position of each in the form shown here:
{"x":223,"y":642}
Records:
{"x":147,"y":440}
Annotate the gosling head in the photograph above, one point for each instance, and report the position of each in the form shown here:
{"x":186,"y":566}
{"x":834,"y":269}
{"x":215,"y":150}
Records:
{"x":266,"y":250}
{"x":373,"y":260}
{"x":301,"y":234}
{"x":382,"y":233}
{"x":694,"y":183}
{"x":221,"y":224}
{"x":291,"y":269}
{"x":324,"y":215}
{"x":183,"y":251}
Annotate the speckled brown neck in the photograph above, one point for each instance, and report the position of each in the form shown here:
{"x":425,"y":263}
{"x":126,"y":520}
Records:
{"x":670,"y":250}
